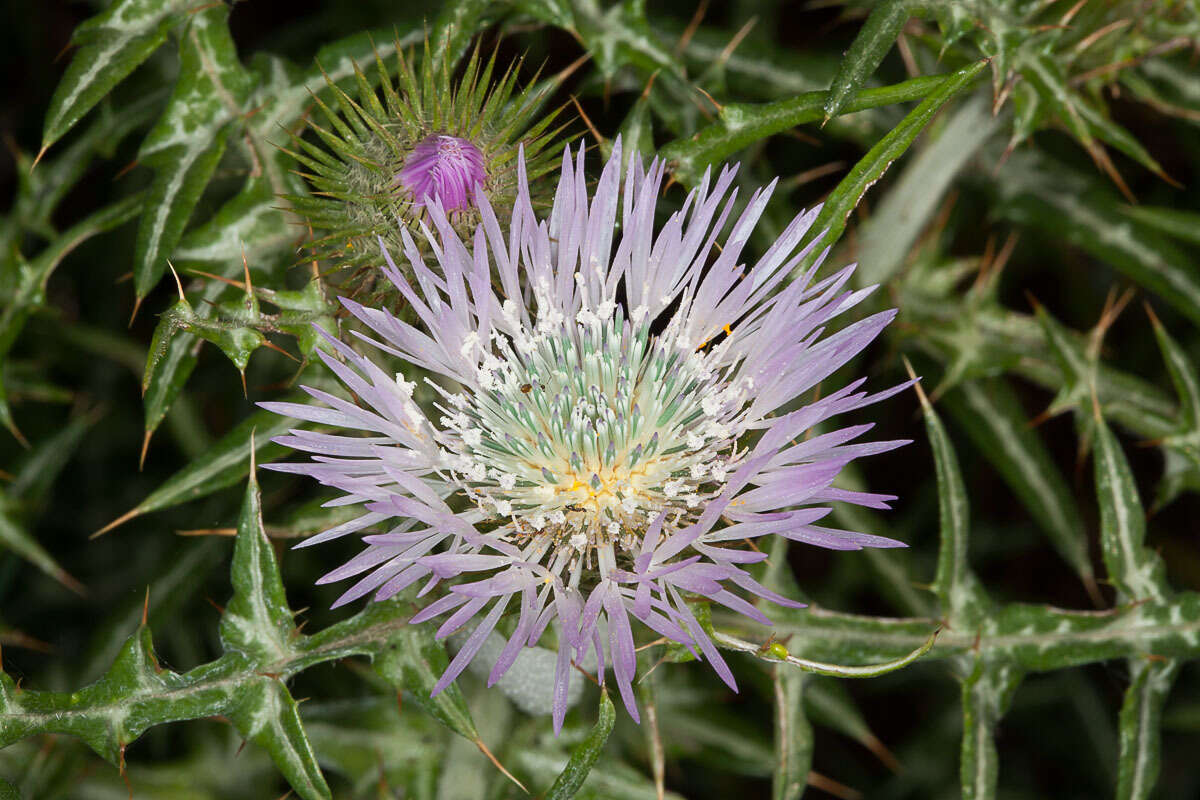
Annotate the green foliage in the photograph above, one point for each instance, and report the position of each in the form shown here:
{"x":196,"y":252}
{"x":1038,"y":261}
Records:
{"x":244,"y":177}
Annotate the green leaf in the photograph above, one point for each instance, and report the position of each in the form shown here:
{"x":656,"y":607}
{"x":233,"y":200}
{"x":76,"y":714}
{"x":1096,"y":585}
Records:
{"x":989,"y":411}
{"x":888,"y":235}
{"x":986,"y":696}
{"x":1083,"y":120}
{"x":455,"y":25}
{"x":1067,"y":206}
{"x":413,"y":660}
{"x":110,"y":713}
{"x":222,"y":465}
{"x":831,"y":221}
{"x":30,"y":291}
{"x":175,"y":191}
{"x":780,"y":655}
{"x":250,"y":223}
{"x":828,"y":703}
{"x":14,"y":537}
{"x":872,"y":43}
{"x":6,"y":417}
{"x":173,"y":357}
{"x":40,"y":190}
{"x":954,"y":584}
{"x":620,"y":34}
{"x":793,"y":736}
{"x":257,"y":621}
{"x":112,"y":45}
{"x":1035,"y":637}
{"x":1175,"y":222}
{"x":1183,"y":376}
{"x":1141,"y":727}
{"x":265,"y":713}
{"x":257,"y":624}
{"x":1137,"y":573}
{"x":36,"y":472}
{"x":584,"y":756}
{"x":187,"y":142}
{"x":742,"y":124}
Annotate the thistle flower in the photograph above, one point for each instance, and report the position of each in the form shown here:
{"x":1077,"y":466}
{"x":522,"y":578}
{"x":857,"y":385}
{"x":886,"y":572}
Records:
{"x":425,"y":135}
{"x":607,"y":429}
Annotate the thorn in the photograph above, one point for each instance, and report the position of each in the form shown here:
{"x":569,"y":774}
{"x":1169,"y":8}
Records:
{"x":221,"y":278}
{"x":1002,"y":95}
{"x":128,"y":515}
{"x":1170,"y":181}
{"x":16,"y":432}
{"x":198,"y":9}
{"x":906,"y":55}
{"x":483,"y":749}
{"x":246,"y":272}
{"x":720,"y":108}
{"x":569,"y":69}
{"x":277,"y":348}
{"x":913,"y":375}
{"x":648,"y":645}
{"x":1006,"y":251}
{"x":242,"y":747}
{"x":880,"y":751}
{"x":69,"y":581}
{"x":66,"y":48}
{"x":220,"y":609}
{"x":585,"y":673}
{"x":1113,"y":306}
{"x":1154,"y":320}
{"x":693,"y":25}
{"x":125,"y":170}
{"x":245,"y":394}
{"x":1045,"y":416}
{"x":1100,"y":156}
{"x":815,"y":173}
{"x":830,"y":786}
{"x":207,"y":532}
{"x":145,"y":447}
{"x":19,"y":639}
{"x":587,"y":121}
{"x":137,"y":304}
{"x":985,"y":264}
{"x":727,"y":51}
{"x":124,"y":773}
{"x":1093,"y":590}
{"x":178,"y":285}
{"x":1071,"y":12}
{"x":146,"y":607}
{"x":41,"y":153}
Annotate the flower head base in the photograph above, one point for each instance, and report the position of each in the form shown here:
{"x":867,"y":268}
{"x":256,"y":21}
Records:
{"x":445,"y":168}
{"x":604,"y":431}
{"x":379,"y":157}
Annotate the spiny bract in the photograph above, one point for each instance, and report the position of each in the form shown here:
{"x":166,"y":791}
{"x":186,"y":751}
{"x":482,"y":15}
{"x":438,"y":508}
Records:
{"x":609,"y":427}
{"x":428,"y":134}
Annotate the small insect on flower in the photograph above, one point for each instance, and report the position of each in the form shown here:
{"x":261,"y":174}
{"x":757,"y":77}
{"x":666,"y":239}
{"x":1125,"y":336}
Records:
{"x":606,"y":430}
